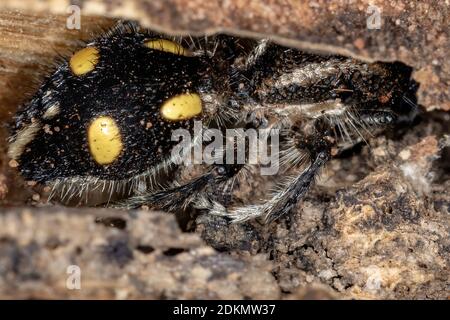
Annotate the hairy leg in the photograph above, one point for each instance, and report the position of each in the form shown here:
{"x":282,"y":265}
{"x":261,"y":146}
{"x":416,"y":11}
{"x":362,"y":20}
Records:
{"x":179,"y":197}
{"x":282,"y":202}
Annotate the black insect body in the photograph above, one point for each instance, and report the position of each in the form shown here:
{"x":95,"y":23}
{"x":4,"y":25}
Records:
{"x":104,"y":119}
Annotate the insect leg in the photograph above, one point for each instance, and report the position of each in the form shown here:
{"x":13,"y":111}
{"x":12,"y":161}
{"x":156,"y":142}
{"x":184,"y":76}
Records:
{"x":179,"y":197}
{"x":319,"y":149}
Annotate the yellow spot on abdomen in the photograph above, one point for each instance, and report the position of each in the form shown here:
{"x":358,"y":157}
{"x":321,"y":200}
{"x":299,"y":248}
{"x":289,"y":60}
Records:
{"x":105,"y":141}
{"x":181,"y":107}
{"x":167,"y":46}
{"x":84,"y":60}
